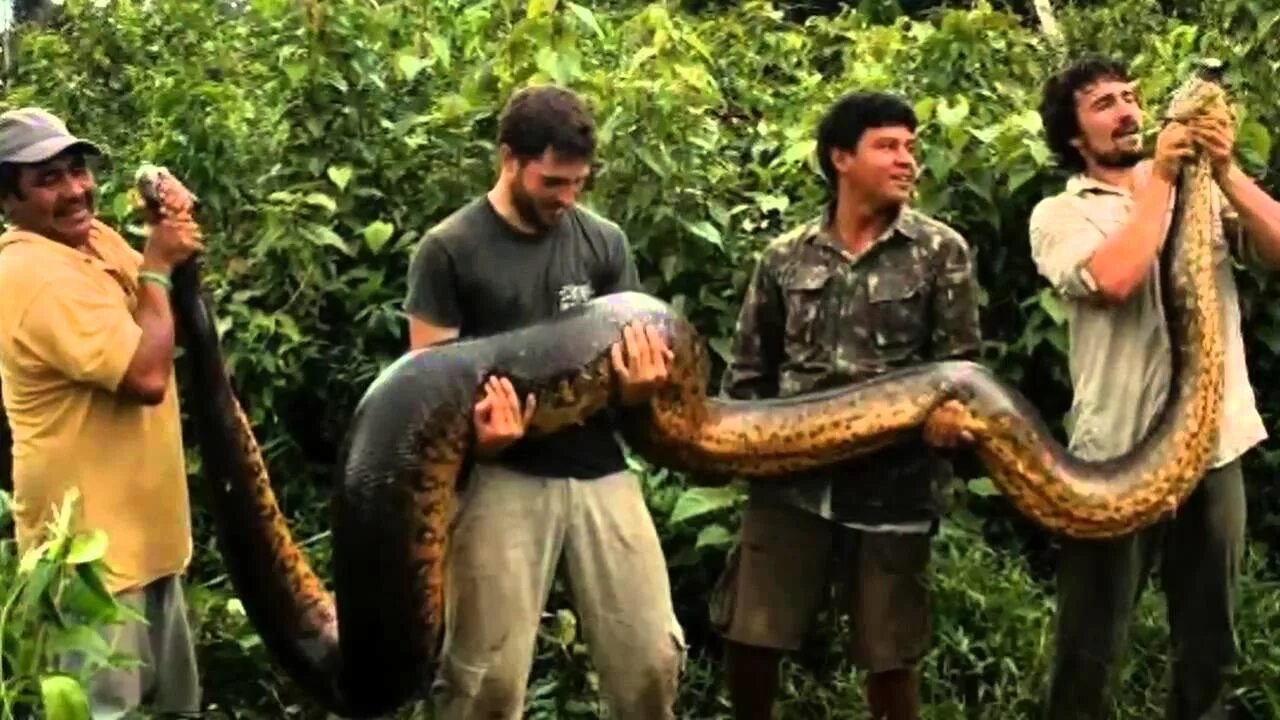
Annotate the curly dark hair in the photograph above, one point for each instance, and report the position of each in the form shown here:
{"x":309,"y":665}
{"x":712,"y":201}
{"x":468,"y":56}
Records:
{"x":851,"y":116}
{"x":1058,"y":103}
{"x":547,"y":116}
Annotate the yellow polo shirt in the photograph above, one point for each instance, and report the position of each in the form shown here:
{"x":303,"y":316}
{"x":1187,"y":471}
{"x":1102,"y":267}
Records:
{"x":67,"y":335}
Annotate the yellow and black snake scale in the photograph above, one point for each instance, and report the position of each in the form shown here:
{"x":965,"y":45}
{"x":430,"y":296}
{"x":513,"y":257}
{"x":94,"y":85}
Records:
{"x":372,"y":645}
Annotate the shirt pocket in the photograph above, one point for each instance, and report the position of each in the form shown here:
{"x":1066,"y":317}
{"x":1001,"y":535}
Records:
{"x":897,"y":311}
{"x":804,"y":295}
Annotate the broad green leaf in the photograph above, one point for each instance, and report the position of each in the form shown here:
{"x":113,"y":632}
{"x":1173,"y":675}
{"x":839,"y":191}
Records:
{"x":81,"y":639}
{"x":1018,"y":178}
{"x":770,"y":203}
{"x":321,"y":200}
{"x":723,"y":347}
{"x":62,"y":698}
{"x":295,"y":71}
{"x":566,"y":627}
{"x":321,"y":235}
{"x":799,"y":151}
{"x":538,"y":8}
{"x":1254,"y":141}
{"x":983,"y":487}
{"x":377,"y":233}
{"x":714,"y":536}
{"x":87,"y":547}
{"x":706,"y":231}
{"x":410,"y":65}
{"x":440,"y":50}
{"x":587,"y":18}
{"x":702,"y":500}
{"x":37,"y":582}
{"x":95,"y":601}
{"x":339,"y":175}
{"x":951,"y":115}
{"x":1030,"y":121}
{"x":1049,"y":301}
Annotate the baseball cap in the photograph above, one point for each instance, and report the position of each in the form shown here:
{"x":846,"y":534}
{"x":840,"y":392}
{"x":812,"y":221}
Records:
{"x":32,"y":135}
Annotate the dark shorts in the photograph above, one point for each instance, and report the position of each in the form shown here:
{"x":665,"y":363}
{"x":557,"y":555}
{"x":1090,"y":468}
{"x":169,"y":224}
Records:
{"x":782,"y":569}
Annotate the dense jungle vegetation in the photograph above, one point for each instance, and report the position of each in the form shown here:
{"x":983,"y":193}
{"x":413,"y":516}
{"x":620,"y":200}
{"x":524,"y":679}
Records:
{"x":324,"y":137}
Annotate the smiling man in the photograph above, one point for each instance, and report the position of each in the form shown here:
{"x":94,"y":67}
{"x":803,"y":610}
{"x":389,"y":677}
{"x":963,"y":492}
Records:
{"x":871,"y":286}
{"x":523,"y":252}
{"x":1097,"y":244}
{"x":86,"y":358}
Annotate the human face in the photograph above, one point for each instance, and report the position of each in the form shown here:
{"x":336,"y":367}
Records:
{"x":1110,"y":117}
{"x":55,"y":199}
{"x":543,"y":188}
{"x":882,"y":167}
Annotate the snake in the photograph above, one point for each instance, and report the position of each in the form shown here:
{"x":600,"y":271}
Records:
{"x":372,"y":643}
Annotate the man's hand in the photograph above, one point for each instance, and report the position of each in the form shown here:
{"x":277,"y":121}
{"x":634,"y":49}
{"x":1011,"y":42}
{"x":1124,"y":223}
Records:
{"x":1215,"y":133}
{"x":174,"y":234}
{"x":170,"y":243}
{"x":945,"y":426}
{"x":497,"y":417}
{"x":1173,"y":147}
{"x":645,"y":368}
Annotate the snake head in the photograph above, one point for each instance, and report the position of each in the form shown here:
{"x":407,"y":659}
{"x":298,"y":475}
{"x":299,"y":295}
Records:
{"x":159,"y":193}
{"x":1202,"y":92}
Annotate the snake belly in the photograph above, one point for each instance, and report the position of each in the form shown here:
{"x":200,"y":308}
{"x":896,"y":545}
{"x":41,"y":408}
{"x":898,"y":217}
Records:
{"x":372,"y":643}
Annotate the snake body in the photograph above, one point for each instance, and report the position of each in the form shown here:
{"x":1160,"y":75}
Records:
{"x":372,"y":645}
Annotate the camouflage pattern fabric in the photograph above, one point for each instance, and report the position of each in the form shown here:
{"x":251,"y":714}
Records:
{"x":816,"y":316}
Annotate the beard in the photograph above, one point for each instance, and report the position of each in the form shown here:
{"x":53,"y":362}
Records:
{"x":528,"y":209}
{"x":1119,"y":159}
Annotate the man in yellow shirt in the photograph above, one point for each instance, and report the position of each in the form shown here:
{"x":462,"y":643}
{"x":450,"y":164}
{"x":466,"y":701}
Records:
{"x":86,"y":367}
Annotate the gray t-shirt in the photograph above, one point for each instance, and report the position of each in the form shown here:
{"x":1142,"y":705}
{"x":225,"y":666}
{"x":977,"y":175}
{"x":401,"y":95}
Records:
{"x":476,"y":272}
{"x":1119,"y":354}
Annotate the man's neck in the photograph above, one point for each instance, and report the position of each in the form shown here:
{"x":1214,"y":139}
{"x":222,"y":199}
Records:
{"x":500,"y":197}
{"x":81,"y":244}
{"x":1127,"y":178}
{"x":857,"y":223}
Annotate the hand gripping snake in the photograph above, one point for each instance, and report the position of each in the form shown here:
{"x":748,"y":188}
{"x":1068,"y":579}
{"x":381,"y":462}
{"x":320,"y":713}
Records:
{"x":373,"y":644}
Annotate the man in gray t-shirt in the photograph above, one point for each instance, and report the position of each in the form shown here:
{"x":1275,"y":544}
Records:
{"x":524,"y":252}
{"x":1097,"y":243}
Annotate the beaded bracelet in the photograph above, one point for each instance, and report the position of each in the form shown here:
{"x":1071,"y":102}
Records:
{"x":156,"y":278}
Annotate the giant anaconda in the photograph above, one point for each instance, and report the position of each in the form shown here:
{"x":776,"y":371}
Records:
{"x":372,"y":644}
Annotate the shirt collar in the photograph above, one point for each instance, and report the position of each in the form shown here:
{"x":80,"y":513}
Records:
{"x":906,"y":225}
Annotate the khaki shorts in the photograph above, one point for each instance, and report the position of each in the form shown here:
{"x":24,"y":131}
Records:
{"x":780,"y":573}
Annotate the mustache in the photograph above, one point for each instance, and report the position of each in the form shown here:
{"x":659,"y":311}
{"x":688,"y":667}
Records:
{"x":1125,"y":129}
{"x":68,"y":207}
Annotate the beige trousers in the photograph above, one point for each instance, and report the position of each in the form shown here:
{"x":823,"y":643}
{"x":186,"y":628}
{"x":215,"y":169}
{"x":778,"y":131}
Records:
{"x":511,"y":532}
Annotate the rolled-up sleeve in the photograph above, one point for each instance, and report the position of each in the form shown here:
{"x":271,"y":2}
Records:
{"x":1062,"y":241}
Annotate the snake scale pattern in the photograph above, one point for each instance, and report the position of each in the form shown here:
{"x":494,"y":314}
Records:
{"x":372,"y":644}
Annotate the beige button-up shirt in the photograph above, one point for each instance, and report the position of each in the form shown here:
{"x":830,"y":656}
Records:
{"x":1119,"y":354}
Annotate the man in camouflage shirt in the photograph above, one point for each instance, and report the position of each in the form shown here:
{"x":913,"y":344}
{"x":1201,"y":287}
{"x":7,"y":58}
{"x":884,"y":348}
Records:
{"x":871,"y":286}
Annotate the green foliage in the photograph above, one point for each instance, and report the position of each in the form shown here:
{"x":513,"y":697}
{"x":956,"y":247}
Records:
{"x":54,"y":602}
{"x":324,"y":137}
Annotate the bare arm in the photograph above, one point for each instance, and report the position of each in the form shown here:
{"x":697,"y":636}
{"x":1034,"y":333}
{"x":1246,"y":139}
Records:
{"x":174,"y":236}
{"x":423,"y":333}
{"x":148,"y":374}
{"x":1259,"y":213}
{"x":1123,"y":260}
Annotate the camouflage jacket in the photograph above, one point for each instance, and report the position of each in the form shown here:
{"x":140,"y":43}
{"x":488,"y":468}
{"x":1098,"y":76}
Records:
{"x":816,"y":316}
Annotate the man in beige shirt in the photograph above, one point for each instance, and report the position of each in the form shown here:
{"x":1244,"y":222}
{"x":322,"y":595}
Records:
{"x":1097,"y":243}
{"x":86,"y":366}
